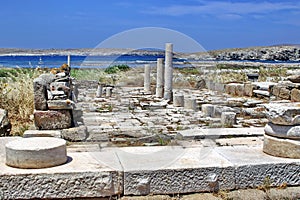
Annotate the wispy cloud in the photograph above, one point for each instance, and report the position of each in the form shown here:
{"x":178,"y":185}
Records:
{"x":224,"y":8}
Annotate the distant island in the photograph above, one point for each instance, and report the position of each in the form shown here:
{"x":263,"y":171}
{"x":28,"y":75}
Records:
{"x":276,"y":52}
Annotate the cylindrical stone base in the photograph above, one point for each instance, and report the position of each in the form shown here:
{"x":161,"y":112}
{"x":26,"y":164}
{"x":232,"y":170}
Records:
{"x":228,"y":119}
{"x":99,"y":91}
{"x":178,"y":100}
{"x":36,"y":152}
{"x":108,"y":91}
{"x":281,"y":147}
{"x":208,"y":110}
{"x":190,"y":103}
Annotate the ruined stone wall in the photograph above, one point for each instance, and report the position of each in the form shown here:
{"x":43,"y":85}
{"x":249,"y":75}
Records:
{"x":54,"y":99}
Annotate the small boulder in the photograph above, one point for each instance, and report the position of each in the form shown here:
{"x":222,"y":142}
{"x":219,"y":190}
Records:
{"x":5,"y":125}
{"x":294,"y":78}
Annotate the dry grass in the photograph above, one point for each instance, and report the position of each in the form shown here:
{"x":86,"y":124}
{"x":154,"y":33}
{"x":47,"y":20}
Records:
{"x":16,"y":96}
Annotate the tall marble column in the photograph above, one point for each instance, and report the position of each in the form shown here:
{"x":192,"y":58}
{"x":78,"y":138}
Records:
{"x":147,"y":80}
{"x":69,"y":60}
{"x":160,"y":78}
{"x":168,"y":93}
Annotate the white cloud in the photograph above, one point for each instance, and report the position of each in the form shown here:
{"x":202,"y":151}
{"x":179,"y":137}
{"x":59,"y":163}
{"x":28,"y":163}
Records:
{"x":224,"y":8}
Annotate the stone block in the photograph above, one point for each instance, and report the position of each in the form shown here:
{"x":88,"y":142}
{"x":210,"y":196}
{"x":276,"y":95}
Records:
{"x":281,"y":147}
{"x":183,"y":171}
{"x":208,"y":110}
{"x":275,"y":90}
{"x":248,"y":89}
{"x":295,"y":95}
{"x":40,"y":94}
{"x":60,"y":104}
{"x":190,"y":103}
{"x":42,"y":133}
{"x":284,"y":93}
{"x":253,"y":167}
{"x":294,"y":78}
{"x":52,"y":119}
{"x":228,"y":119}
{"x":36,"y":152}
{"x":283,"y":113}
{"x":240,"y":90}
{"x":75,"y":134}
{"x":5,"y":125}
{"x":178,"y":100}
{"x":292,"y":132}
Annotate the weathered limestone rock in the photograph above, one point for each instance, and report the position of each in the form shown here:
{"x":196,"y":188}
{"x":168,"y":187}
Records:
{"x":284,"y":93}
{"x":75,"y":134}
{"x":291,"y":132}
{"x":108,"y":91}
{"x":52,"y":119}
{"x":281,"y":147}
{"x":99,"y":90}
{"x":228,"y":119}
{"x":190,"y":103}
{"x":248,"y":89}
{"x":240,"y":90}
{"x":178,"y":100}
{"x":147,"y":78}
{"x":294,"y":78}
{"x":283,"y":113}
{"x":208,"y":110}
{"x":160,"y":78}
{"x":36,"y":152}
{"x":60,"y":104}
{"x":295,"y":95}
{"x":42,"y":133}
{"x":40,"y":94}
{"x":168,"y":87}
{"x":5,"y":125}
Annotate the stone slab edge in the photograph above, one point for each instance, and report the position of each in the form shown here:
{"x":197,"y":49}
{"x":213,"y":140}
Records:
{"x":61,"y":185}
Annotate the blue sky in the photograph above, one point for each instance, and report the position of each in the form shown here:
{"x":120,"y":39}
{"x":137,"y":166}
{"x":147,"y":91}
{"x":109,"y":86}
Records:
{"x":214,"y":24}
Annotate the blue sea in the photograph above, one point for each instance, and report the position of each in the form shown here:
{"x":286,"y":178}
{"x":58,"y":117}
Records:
{"x":51,"y":61}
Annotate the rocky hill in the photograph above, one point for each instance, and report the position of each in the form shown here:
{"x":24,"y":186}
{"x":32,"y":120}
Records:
{"x":279,"y":52}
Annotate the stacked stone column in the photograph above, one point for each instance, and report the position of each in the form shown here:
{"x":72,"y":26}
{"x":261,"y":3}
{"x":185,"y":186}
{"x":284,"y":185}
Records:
{"x":53,"y":100}
{"x":168,"y":85}
{"x":282,"y":133}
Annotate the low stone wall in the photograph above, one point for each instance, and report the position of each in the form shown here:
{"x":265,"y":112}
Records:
{"x":286,"y":90}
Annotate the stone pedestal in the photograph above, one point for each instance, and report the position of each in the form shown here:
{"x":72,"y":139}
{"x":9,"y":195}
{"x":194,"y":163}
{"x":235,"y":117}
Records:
{"x":52,"y":119}
{"x":168,"y":86}
{"x":108,"y":91}
{"x":160,"y":78}
{"x":147,"y":78}
{"x":281,"y":147}
{"x":99,"y":90}
{"x":190,"y":103}
{"x":208,"y":110}
{"x":228,"y":119}
{"x":178,"y":100}
{"x":36,"y":152}
{"x":282,"y":133}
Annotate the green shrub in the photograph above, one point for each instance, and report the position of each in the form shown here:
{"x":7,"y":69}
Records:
{"x":116,"y":68}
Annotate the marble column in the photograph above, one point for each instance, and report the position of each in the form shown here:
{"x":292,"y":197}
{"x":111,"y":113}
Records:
{"x":99,"y":90}
{"x":160,"y":78}
{"x":168,"y":93}
{"x":147,"y":79}
{"x":69,"y":60}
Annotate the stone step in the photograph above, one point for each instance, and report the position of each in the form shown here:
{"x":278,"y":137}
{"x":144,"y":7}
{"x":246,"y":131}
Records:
{"x":219,"y":133}
{"x":261,"y":93}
